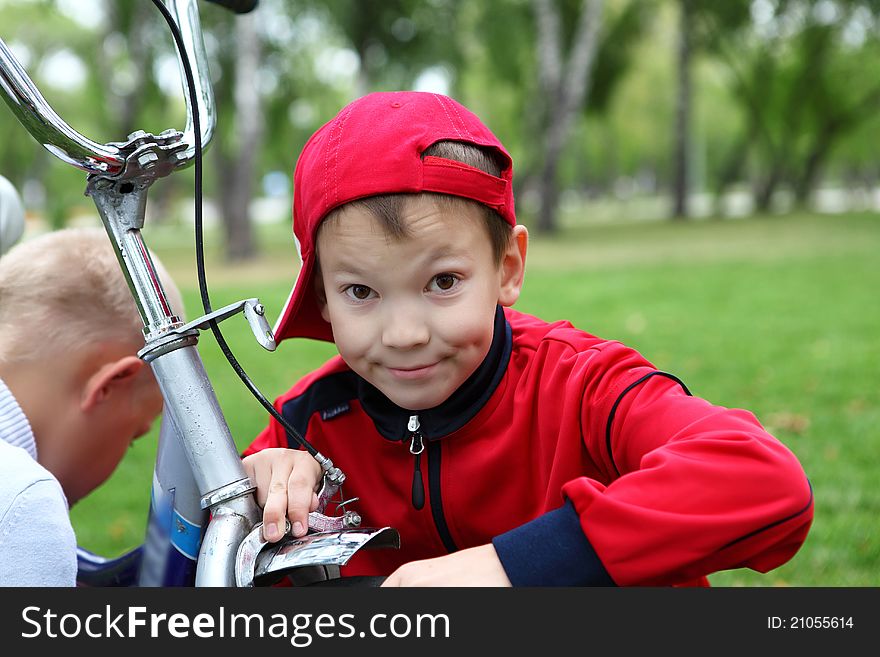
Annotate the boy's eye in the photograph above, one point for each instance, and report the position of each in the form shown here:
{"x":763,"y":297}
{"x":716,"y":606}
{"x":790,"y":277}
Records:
{"x":443,"y":282}
{"x":359,"y":292}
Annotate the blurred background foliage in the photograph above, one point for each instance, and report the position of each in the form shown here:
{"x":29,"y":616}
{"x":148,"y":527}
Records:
{"x":624,"y":108}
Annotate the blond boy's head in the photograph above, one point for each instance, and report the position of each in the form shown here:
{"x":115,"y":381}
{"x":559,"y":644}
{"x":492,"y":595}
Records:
{"x":69,"y":336}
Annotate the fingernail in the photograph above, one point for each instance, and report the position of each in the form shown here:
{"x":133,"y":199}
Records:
{"x":271,"y":530}
{"x":298,"y":529}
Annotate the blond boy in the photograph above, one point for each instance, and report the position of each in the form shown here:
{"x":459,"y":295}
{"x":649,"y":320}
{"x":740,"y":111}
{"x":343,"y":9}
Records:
{"x":73,"y":393}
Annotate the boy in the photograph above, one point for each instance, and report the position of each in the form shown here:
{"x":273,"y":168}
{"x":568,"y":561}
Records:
{"x":73,"y":393}
{"x":505,"y":450}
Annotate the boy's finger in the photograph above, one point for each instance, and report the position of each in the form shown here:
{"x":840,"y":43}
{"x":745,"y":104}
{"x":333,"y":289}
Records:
{"x":276,"y":506}
{"x":255,"y":477}
{"x":301,"y":495}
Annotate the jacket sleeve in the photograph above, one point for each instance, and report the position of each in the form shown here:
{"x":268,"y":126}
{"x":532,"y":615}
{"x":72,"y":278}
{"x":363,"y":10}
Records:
{"x":695,"y":488}
{"x":689,"y":489}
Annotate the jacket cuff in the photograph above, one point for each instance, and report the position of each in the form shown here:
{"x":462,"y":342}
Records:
{"x":551,"y":550}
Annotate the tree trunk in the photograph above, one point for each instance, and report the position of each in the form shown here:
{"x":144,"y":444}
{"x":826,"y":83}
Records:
{"x":548,"y":196}
{"x":766,"y":188}
{"x":681,"y":185}
{"x":238,"y":171}
{"x":730,"y":172}
{"x":806,"y":181}
{"x":564,"y":88}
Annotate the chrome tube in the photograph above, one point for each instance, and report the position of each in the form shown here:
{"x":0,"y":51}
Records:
{"x":49,"y":129}
{"x":107,"y":160}
{"x":230,"y":524}
{"x":190,"y":398}
{"x":186,"y":15}
{"x":123,"y":216}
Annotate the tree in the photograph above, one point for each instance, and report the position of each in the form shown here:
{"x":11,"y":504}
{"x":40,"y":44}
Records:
{"x":239,"y":139}
{"x":564,"y":79}
{"x":395,"y":40}
{"x":803,"y":83}
{"x":681,"y":186}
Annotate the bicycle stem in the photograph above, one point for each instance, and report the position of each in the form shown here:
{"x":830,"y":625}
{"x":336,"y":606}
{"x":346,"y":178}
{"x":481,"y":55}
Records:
{"x":189,"y":396}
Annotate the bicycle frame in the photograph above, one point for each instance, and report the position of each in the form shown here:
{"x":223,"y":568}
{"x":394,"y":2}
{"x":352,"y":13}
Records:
{"x":199,"y":474}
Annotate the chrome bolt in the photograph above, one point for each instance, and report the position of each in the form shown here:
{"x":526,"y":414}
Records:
{"x":147,"y":160}
{"x":351,"y":519}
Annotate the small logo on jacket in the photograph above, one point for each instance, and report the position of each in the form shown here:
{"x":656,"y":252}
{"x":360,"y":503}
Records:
{"x":334,"y":411}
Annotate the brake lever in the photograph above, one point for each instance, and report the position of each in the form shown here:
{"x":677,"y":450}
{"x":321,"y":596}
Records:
{"x":320,"y":522}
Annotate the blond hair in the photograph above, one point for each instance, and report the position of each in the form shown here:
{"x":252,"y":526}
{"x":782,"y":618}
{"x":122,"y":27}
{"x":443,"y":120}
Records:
{"x":65,"y":289}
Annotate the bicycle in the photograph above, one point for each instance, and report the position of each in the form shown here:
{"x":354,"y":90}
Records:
{"x":204,"y":524}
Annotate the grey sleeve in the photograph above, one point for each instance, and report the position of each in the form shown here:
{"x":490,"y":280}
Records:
{"x":37,"y":542}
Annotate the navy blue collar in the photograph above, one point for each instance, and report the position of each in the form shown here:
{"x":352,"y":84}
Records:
{"x":391,"y":420}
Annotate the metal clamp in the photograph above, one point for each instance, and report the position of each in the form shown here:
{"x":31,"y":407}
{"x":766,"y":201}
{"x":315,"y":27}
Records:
{"x":330,"y":489}
{"x":320,"y":523}
{"x":171,"y":339}
{"x":235,"y":489}
{"x":148,"y":156}
{"x":254,"y":313}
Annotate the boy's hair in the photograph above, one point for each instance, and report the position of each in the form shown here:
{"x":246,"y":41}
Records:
{"x":65,"y":289}
{"x":389,"y":208}
{"x":382,"y":145}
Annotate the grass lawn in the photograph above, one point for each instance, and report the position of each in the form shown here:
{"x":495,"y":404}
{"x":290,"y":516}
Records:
{"x":779,"y":315}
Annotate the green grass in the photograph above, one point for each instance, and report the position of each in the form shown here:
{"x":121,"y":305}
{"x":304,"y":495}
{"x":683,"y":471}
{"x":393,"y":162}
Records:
{"x":778,"y":315}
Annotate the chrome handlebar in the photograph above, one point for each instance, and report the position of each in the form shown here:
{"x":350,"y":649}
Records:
{"x":111,"y":160}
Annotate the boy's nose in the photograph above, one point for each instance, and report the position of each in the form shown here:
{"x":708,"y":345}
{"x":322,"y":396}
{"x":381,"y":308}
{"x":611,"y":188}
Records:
{"x":405,"y":332}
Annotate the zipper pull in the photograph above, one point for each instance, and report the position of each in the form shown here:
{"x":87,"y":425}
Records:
{"x":416,"y":447}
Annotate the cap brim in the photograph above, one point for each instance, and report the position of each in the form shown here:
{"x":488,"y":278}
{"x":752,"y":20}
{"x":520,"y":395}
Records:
{"x":301,"y":315}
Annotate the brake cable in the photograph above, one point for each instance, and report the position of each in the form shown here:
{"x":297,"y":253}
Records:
{"x":326,"y":464}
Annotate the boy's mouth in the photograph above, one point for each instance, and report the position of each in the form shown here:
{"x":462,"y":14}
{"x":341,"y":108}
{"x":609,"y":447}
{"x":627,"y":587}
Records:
{"x":412,"y":372}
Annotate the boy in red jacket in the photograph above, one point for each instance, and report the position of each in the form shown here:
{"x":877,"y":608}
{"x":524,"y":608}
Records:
{"x":504,"y":449}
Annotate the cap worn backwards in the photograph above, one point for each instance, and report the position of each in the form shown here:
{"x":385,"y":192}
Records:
{"x":375,"y":146}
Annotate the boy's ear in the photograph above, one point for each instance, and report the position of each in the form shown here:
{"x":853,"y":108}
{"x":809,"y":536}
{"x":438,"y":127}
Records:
{"x":513,"y":266}
{"x":108,"y":378}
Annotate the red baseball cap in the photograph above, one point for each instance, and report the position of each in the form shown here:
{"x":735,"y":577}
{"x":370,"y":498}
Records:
{"x":374,"y":146}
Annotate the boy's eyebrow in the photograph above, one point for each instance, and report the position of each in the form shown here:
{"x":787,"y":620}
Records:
{"x":345,"y":268}
{"x":444,"y":251}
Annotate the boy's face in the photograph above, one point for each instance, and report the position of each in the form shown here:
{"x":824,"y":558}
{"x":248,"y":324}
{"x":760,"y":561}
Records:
{"x":414,"y":315}
{"x":108,"y":431}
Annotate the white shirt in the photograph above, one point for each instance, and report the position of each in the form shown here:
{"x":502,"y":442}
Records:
{"x":37,"y":542}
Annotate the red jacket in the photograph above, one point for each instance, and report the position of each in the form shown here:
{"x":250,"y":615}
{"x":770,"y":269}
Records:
{"x":579,"y":460}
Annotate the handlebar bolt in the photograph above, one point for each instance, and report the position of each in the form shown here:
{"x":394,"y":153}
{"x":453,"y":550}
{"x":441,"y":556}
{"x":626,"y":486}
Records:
{"x":148,"y":160}
{"x":259,"y":309}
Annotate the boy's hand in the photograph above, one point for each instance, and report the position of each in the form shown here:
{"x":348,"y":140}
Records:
{"x":286,"y":481}
{"x":478,"y":566}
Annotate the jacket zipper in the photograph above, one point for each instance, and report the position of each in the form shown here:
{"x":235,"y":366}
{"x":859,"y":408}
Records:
{"x":416,"y":447}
